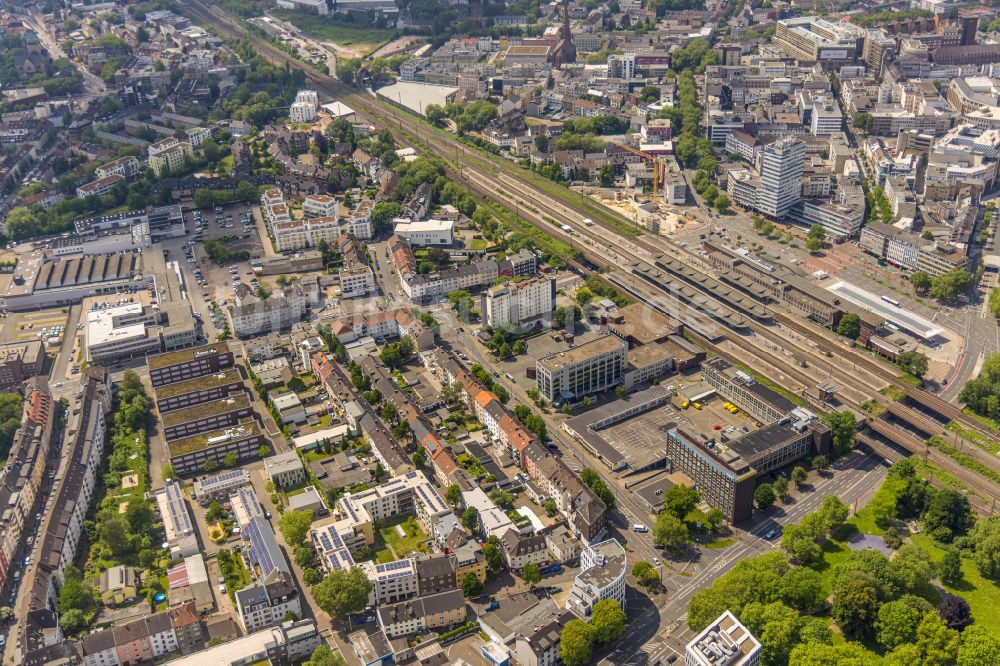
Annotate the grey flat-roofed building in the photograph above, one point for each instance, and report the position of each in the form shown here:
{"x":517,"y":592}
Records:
{"x":595,"y":366}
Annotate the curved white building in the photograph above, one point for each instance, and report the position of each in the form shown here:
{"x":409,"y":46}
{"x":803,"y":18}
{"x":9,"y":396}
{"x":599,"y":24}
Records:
{"x":602,"y":576}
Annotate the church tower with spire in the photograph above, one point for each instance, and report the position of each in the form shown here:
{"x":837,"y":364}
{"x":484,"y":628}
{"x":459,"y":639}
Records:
{"x":564,"y":52}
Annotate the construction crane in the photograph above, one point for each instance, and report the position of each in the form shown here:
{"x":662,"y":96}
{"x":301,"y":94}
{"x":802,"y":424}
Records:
{"x":658,"y":164}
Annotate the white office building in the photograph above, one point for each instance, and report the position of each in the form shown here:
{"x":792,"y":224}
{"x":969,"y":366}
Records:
{"x":780,"y":165}
{"x":724,"y":642}
{"x":426,"y":232}
{"x":602,"y":576}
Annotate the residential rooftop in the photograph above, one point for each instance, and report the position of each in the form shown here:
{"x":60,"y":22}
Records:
{"x":246,"y":428}
{"x":221,"y":378}
{"x":205,"y":410}
{"x":184,"y":355}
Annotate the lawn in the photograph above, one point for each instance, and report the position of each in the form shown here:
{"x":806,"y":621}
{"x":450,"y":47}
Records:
{"x":983,"y":595}
{"x":479,"y":244}
{"x":315,"y":455}
{"x":834,"y":552}
{"x":339,"y":32}
{"x":414,"y":541}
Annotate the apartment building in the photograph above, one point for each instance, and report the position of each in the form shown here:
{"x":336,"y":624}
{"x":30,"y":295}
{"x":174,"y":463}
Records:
{"x":305,"y":106}
{"x":170,"y":154}
{"x":520,"y":550}
{"x":189,"y":363}
{"x":356,"y":276}
{"x":296,"y":234}
{"x":437,"y":611}
{"x":321,"y":205}
{"x":24,"y":471}
{"x":100,"y":187}
{"x":198,"y":390}
{"x":130,"y":643}
{"x":20,"y":361}
{"x":391,"y":582}
{"x":522,"y":305}
{"x":256,"y":316}
{"x":266,"y":603}
{"x":285,"y":470}
{"x":127,"y":167}
{"x":384,"y":325}
{"x":595,"y":366}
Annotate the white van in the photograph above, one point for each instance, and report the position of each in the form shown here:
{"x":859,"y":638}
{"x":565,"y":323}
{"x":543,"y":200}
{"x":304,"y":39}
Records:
{"x":639,"y":527}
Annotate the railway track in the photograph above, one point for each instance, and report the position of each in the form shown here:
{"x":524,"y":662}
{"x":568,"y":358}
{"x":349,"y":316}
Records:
{"x":526,"y":194}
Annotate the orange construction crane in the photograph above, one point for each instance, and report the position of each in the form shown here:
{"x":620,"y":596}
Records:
{"x":658,"y":165}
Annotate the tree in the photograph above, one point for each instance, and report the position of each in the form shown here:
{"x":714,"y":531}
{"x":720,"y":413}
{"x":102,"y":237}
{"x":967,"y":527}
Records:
{"x":855,"y":603}
{"x":863,"y":121}
{"x":849,"y":326}
{"x":912,"y":362}
{"x":597,"y":484}
{"x":715,"y":517}
{"x":800,"y":544}
{"x":215,"y":512}
{"x":264,"y":451}
{"x":72,"y":622}
{"x":913,"y":566}
{"x":955,"y":612}
{"x":802,"y":589}
{"x":670,"y":532}
{"x":471,"y":585}
{"x":820,"y":463}
{"x":949,"y":569}
{"x":531,"y":574}
{"x":819,"y":654}
{"x":470,"y":519}
{"x":646,"y":575}
{"x":897,"y":621}
{"x":453,"y":495}
{"x":978,"y":646}
{"x":550,"y":507}
{"x":342,"y":592}
{"x":763,"y":496}
{"x":842,"y":429}
{"x":680,"y":500}
{"x":606,"y":175}
{"x":799,"y":475}
{"x":231,"y":459}
{"x":985,"y":542}
{"x":294,"y":526}
{"x":921,"y":282}
{"x":607,"y":620}
{"x":948,"y":515}
{"x":722,"y":203}
{"x":116,"y":534}
{"x":780,"y":486}
{"x":494,"y":558}
{"x":814,"y":245}
{"x":324,"y":656}
{"x":434,"y":114}
{"x":576,"y":643}
{"x":938,"y":644}
{"x":776,"y":626}
{"x":304,"y":554}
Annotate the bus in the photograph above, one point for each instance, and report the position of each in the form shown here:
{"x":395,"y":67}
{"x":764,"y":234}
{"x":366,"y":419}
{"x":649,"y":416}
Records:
{"x":891,"y":301}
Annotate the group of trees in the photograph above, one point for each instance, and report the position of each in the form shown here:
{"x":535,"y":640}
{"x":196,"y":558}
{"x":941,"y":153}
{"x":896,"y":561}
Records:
{"x":205,"y":198}
{"x":483,"y":376}
{"x":875,"y":599}
{"x":607,"y":624}
{"x":472,"y":117}
{"x":531,"y":421}
{"x":982,"y":394}
{"x":593,"y":481}
{"x":944,"y":286}
{"x":399,"y":352}
{"x":713,"y":197}
{"x":804,"y":542}
{"x":10,"y":421}
{"x":342,"y":592}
